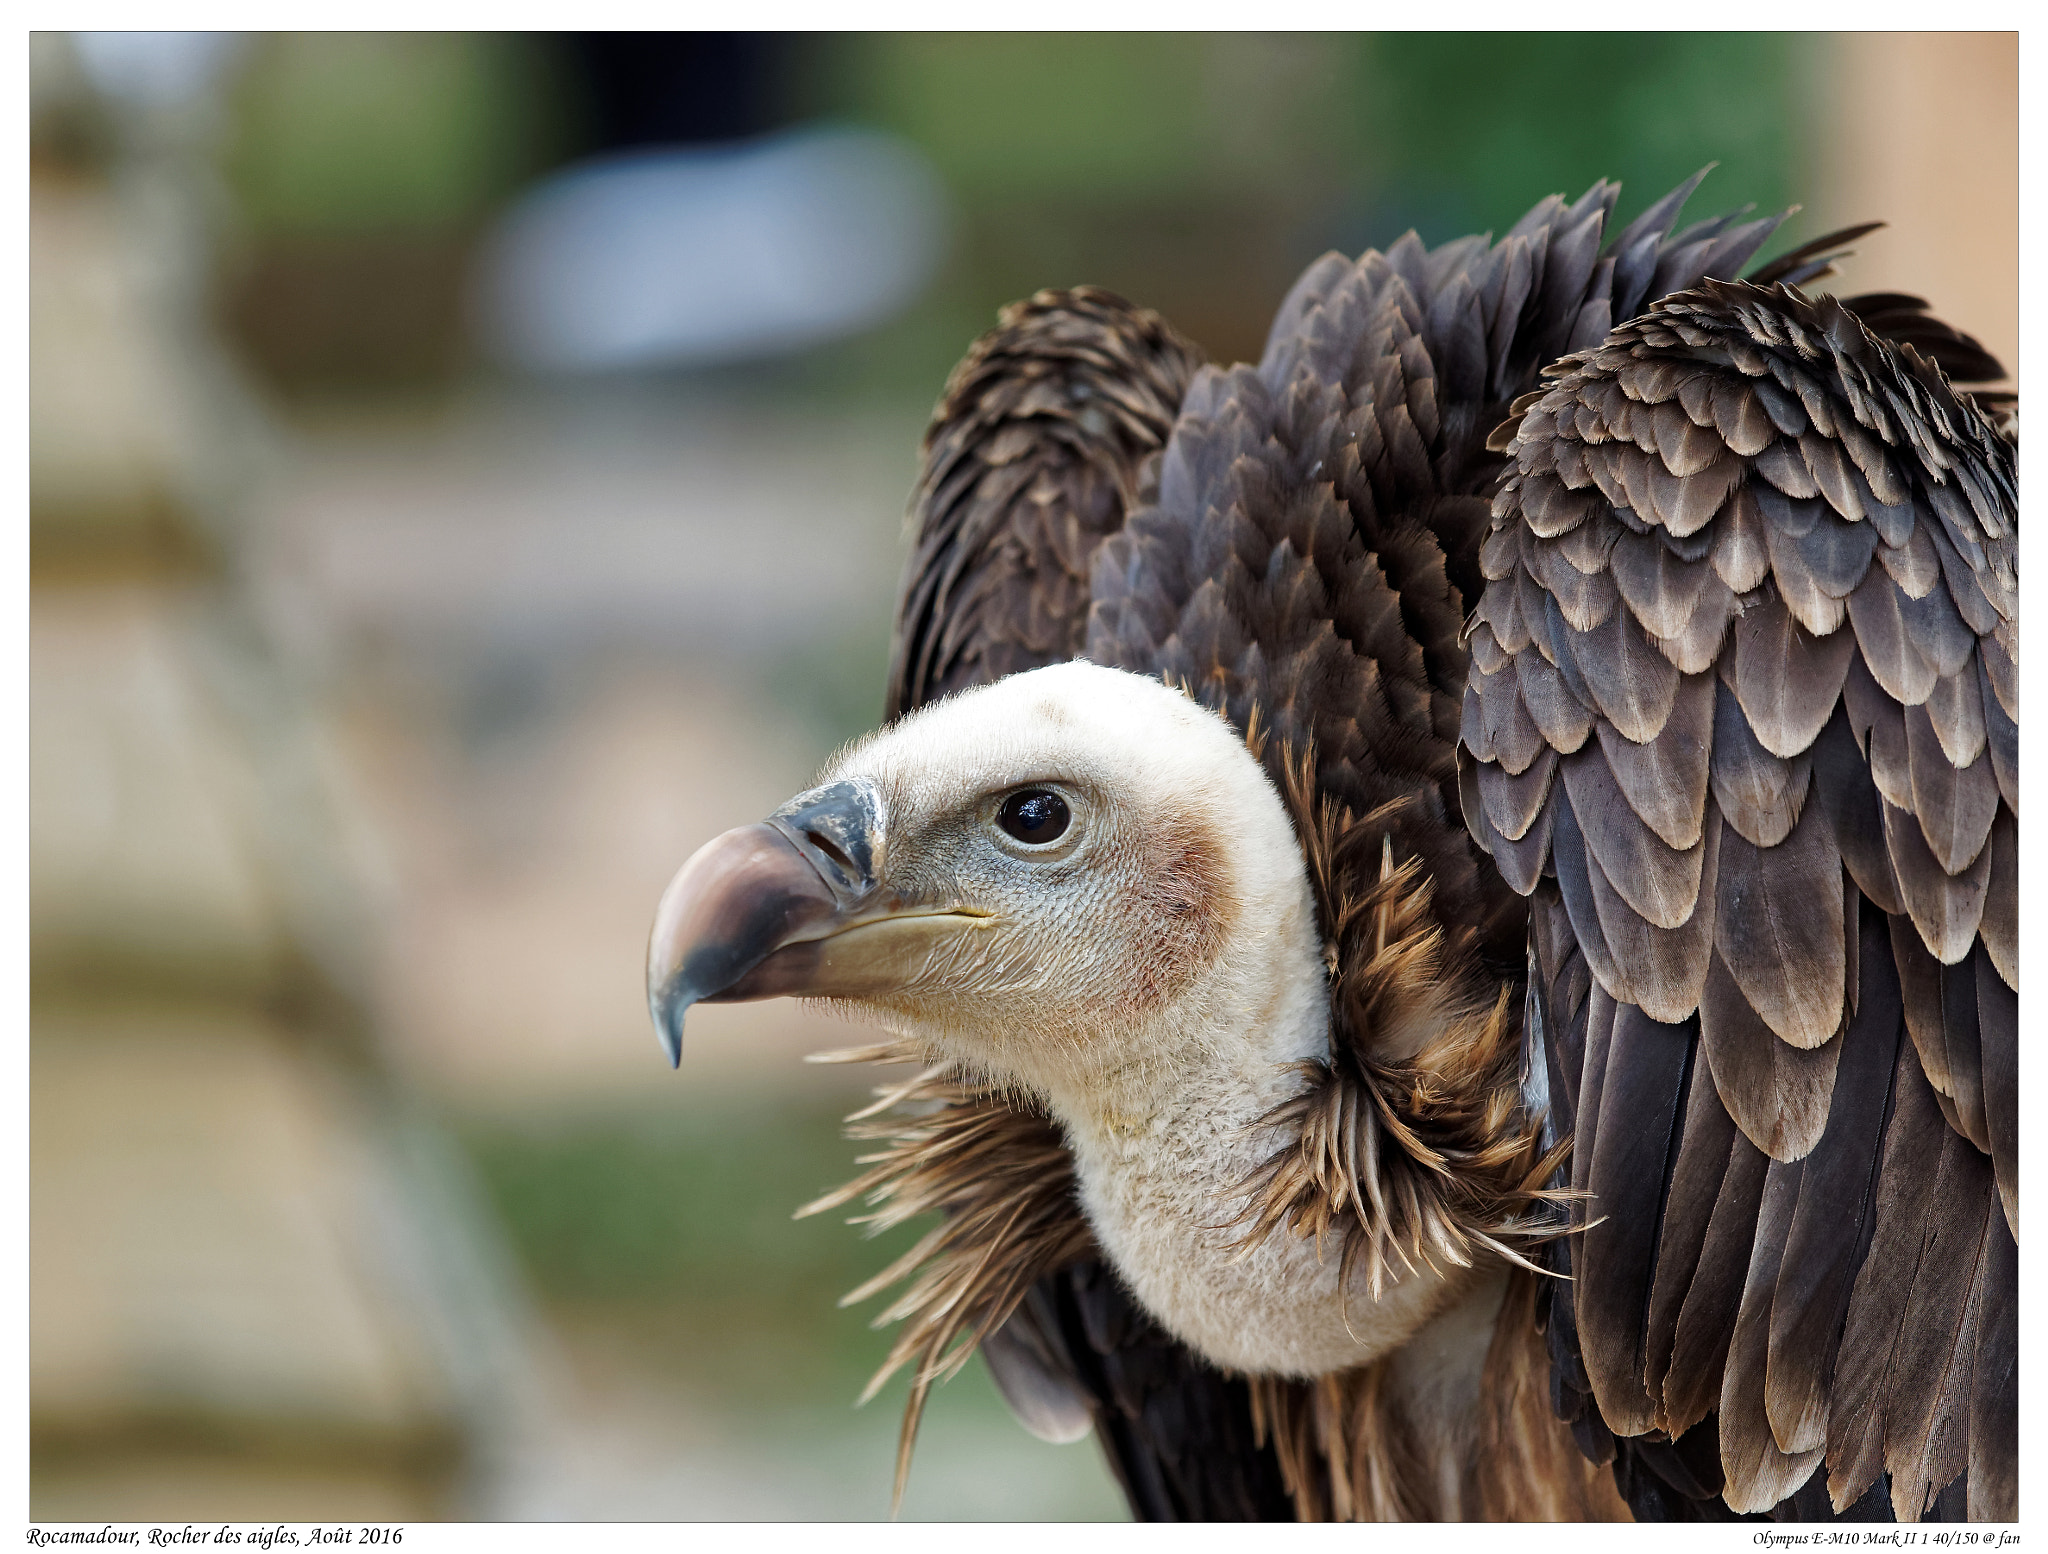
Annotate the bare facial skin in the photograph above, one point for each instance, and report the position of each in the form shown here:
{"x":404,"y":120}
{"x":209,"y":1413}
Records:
{"x":1092,"y":935}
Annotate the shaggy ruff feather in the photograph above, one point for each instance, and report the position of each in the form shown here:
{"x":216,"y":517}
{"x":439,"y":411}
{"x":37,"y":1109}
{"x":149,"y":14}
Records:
{"x":1404,"y":1162}
{"x":1002,"y":1182}
{"x":1421,"y":1160}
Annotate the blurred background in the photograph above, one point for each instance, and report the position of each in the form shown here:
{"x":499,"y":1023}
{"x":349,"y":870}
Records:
{"x":467,"y":474}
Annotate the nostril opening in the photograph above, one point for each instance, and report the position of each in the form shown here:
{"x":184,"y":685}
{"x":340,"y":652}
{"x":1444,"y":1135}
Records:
{"x":832,"y":850}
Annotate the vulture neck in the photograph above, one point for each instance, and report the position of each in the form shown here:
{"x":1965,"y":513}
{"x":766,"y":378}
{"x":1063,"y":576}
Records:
{"x":1163,"y":1152}
{"x":1165,"y":1147}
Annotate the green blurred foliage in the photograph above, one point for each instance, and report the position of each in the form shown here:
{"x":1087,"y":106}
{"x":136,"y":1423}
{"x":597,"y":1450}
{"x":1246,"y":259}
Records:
{"x":376,"y":132}
{"x":1009,"y":114}
{"x":1086,"y":115}
{"x":366,"y":129}
{"x":1472,"y":128}
{"x":677,"y":1222}
{"x":1198,"y":172}
{"x":1476,"y":125}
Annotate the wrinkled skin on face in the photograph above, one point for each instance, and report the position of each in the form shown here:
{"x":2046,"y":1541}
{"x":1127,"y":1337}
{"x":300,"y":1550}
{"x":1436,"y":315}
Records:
{"x":1089,"y":935}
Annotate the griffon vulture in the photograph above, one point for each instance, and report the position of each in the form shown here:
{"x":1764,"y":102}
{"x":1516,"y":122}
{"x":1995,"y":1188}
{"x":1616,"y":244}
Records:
{"x":1454,"y":892}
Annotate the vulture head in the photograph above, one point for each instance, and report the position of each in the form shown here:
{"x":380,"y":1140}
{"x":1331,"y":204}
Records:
{"x":1079,"y":884}
{"x":1076,"y":880}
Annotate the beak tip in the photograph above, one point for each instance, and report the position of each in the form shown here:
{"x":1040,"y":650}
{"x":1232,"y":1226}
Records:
{"x":668,"y":1026}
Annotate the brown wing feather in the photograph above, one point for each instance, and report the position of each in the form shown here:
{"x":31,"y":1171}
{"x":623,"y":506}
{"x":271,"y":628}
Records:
{"x":1861,"y":907}
{"x":1036,"y":453}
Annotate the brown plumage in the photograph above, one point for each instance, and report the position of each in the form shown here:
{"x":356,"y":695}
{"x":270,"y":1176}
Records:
{"x":1038,"y":449}
{"x":1344,"y":1443}
{"x":1654,"y":763}
{"x":1873,"y":470}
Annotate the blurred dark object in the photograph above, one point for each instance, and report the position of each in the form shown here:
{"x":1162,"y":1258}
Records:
{"x":703,"y":227}
{"x":357,"y":312}
{"x":675,"y":88}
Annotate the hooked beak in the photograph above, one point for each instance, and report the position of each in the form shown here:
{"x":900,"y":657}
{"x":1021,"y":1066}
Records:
{"x":789,"y":906}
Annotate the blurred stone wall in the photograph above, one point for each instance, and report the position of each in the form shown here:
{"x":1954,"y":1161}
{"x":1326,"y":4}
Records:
{"x":258,"y":1287}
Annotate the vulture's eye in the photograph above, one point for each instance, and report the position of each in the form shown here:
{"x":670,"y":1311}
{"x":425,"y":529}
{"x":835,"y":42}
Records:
{"x":1034,"y":816}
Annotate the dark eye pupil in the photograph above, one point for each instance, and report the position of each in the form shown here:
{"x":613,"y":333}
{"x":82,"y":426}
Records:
{"x":1033,"y":816}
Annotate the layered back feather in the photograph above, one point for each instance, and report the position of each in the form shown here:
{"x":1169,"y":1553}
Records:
{"x":1744,"y":729}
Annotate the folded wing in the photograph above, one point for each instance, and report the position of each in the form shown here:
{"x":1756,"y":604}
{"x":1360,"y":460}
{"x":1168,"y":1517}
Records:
{"x":1742,"y":723}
